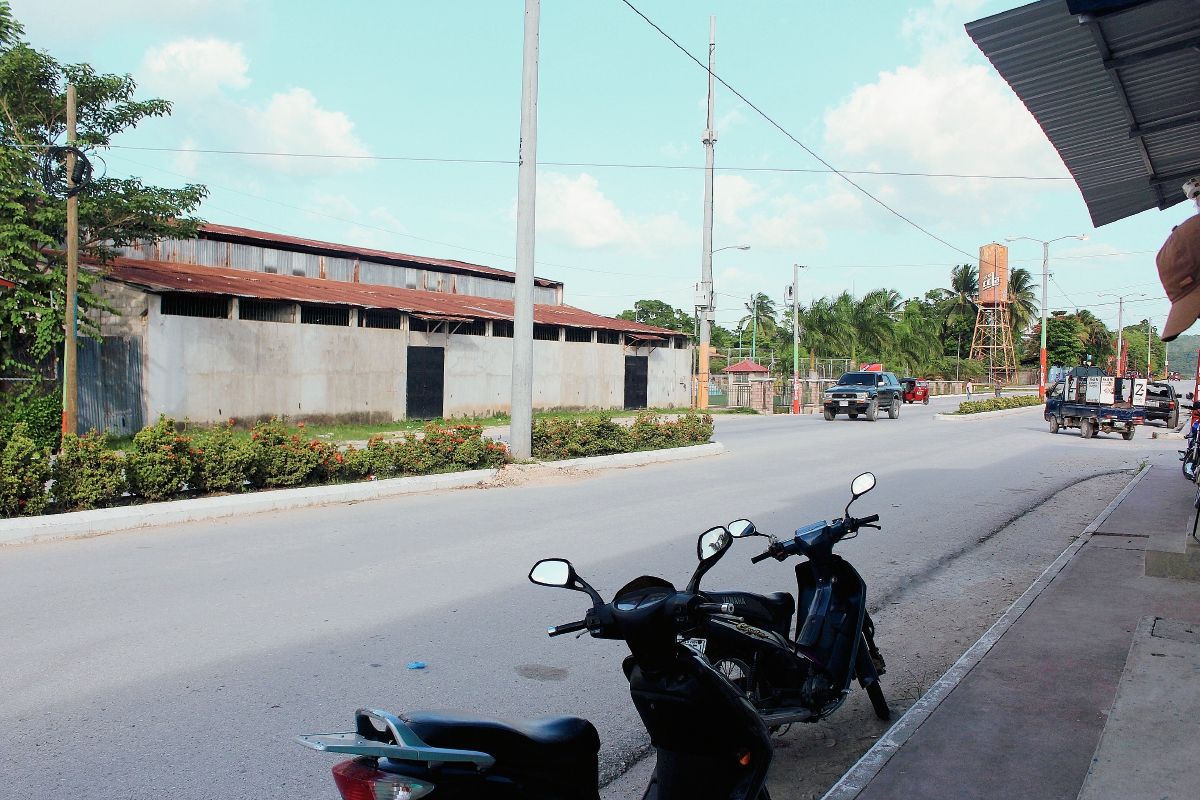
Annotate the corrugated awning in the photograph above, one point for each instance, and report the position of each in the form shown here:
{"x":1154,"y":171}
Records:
{"x":1116,"y":89}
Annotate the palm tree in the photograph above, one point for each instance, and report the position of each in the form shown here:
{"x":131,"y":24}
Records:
{"x":1022,"y":301}
{"x":964,"y":289}
{"x":917,"y":336}
{"x":761,"y":315}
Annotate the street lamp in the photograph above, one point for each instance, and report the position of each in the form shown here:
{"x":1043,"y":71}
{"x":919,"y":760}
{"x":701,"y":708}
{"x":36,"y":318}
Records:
{"x":1045,"y":280}
{"x":733,"y":247}
{"x":1120,"y":330}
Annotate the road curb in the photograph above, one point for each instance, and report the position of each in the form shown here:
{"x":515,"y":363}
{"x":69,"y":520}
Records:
{"x":638,"y":458}
{"x":1004,"y":412}
{"x":76,"y":524}
{"x":867,"y":767}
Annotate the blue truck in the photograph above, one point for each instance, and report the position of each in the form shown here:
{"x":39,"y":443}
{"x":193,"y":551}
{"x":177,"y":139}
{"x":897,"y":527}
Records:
{"x":1095,"y":402}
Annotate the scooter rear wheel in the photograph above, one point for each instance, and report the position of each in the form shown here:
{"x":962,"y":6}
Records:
{"x":878,"y":701}
{"x":735,"y":671}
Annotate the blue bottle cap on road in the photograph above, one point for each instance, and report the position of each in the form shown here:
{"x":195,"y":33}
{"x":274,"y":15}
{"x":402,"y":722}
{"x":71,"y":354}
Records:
{"x":417,"y":665}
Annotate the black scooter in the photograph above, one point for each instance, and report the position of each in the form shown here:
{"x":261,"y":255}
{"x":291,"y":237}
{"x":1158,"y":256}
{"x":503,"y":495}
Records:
{"x":808,"y":678}
{"x":712,"y":744}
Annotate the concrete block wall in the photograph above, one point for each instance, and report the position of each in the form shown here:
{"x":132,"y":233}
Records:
{"x":211,"y":370}
{"x":131,"y":307}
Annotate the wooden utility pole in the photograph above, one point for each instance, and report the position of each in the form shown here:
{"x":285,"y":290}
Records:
{"x":70,"y":421}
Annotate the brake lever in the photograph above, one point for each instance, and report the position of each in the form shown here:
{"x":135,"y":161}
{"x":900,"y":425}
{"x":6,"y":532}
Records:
{"x":871,"y":525}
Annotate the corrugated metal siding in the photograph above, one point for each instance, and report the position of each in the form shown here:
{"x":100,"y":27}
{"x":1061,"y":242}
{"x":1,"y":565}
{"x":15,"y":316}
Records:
{"x":110,"y":385}
{"x":1054,"y":65}
{"x":339,"y":269}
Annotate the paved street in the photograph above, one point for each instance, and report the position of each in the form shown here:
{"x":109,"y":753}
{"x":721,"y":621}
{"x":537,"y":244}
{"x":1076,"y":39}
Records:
{"x":184,"y":659}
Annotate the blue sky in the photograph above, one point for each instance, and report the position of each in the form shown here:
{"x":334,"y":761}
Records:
{"x":869,"y":86}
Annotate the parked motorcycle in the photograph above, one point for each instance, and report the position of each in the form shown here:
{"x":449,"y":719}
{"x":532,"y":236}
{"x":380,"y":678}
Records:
{"x":1191,"y":456}
{"x":712,"y":744}
{"x":808,"y":678}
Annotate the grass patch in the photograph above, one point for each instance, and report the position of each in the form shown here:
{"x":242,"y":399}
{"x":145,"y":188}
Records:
{"x":998,"y":404}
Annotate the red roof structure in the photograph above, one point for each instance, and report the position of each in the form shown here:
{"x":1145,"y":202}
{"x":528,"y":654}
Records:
{"x":748,"y":366}
{"x":6,"y":284}
{"x":229,"y":233}
{"x":158,"y":276}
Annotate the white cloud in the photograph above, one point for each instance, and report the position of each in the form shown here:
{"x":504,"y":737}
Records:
{"x":578,"y":213}
{"x":292,"y":122}
{"x":746,"y":211}
{"x":194,"y":68}
{"x":946,"y":114}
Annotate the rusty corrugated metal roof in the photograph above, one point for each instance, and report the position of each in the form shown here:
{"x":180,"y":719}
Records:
{"x":158,"y":276}
{"x":229,"y":233}
{"x":1115,"y":92}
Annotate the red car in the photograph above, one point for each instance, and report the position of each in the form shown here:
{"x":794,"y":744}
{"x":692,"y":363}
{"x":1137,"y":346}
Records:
{"x":915,"y":390}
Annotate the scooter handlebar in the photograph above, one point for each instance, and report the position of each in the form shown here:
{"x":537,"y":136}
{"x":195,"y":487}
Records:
{"x":761,"y":557}
{"x":866,"y":520}
{"x":570,"y":627}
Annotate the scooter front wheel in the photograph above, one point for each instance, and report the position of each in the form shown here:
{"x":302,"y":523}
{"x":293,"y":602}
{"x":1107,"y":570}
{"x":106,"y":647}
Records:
{"x":879,"y":702}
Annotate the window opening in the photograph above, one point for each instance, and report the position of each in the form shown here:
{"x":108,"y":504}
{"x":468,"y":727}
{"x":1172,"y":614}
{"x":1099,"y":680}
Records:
{"x":264,"y":310}
{"x":475,"y":327}
{"x":546,"y":333}
{"x":379,"y":318}
{"x":608,"y":337}
{"x":325,"y":315}
{"x":579,"y":334}
{"x":502,"y":327}
{"x":184,"y":304}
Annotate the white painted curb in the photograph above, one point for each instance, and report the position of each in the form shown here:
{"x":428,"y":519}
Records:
{"x":639,"y":458}
{"x":863,"y":772}
{"x":110,"y":520}
{"x":1004,"y":412}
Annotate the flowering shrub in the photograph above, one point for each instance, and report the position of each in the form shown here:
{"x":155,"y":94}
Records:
{"x":221,"y":461}
{"x":596,"y":436}
{"x":87,"y":474}
{"x":280,"y":458}
{"x":998,"y":403}
{"x":24,"y":470}
{"x":161,"y":461}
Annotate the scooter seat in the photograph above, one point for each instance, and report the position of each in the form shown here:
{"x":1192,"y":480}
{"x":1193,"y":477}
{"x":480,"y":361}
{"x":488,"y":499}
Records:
{"x":776,"y":607}
{"x":570,"y":743}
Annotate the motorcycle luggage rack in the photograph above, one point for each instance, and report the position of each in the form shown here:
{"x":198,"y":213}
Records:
{"x":396,"y":741}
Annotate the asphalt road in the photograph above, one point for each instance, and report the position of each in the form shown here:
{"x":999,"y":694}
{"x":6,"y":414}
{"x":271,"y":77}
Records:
{"x":180,"y":661}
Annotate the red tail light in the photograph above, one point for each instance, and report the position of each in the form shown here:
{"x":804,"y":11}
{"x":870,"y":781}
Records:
{"x":357,"y":781}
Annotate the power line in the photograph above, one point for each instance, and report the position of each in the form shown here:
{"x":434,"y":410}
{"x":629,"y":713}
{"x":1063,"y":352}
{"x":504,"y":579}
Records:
{"x":784,"y":131}
{"x":592,"y":164}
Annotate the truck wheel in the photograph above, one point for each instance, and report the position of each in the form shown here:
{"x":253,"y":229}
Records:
{"x":872,"y":411}
{"x":1054,"y":424}
{"x":829,"y":413}
{"x":1173,"y":421}
{"x":1128,"y":435}
{"x":926,"y":400}
{"x":894,"y":410}
{"x":1086,"y":428}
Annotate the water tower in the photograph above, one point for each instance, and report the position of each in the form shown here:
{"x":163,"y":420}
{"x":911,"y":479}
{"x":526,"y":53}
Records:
{"x":993,"y":340}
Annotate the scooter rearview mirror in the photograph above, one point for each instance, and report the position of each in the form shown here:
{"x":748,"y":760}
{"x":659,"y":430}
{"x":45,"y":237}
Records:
{"x":741,"y":528}
{"x":551,"y":572}
{"x":862,"y":484}
{"x":712,"y":542}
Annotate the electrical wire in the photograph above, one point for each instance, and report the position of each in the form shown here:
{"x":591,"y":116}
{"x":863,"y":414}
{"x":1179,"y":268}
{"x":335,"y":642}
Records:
{"x":592,"y":164}
{"x":785,"y":132}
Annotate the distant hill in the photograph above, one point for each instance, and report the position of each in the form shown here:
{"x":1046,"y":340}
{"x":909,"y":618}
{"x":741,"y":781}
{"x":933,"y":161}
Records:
{"x":1182,"y":355}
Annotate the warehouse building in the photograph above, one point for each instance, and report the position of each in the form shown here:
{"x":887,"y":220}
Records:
{"x":245,"y":325}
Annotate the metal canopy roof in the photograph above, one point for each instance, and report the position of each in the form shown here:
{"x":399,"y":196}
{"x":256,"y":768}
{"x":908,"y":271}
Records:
{"x":1116,"y":90}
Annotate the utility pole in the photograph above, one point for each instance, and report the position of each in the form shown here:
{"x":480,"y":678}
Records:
{"x":1149,"y":349}
{"x":70,"y":420}
{"x":1120,"y":361}
{"x":796,"y":338}
{"x":520,"y":438}
{"x":705,"y":297}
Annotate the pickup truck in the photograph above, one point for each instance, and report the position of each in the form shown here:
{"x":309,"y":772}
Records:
{"x":1069,"y":404}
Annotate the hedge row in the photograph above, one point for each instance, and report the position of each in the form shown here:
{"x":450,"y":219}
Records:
{"x":600,"y":436}
{"x":41,"y":412}
{"x":163,"y":463}
{"x":998,"y":403}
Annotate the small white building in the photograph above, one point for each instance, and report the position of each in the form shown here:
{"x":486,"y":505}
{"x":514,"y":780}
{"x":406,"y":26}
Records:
{"x":245,"y":325}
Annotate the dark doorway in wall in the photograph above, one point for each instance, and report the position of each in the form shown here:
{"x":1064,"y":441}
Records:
{"x":426,"y":382}
{"x":637,"y":369}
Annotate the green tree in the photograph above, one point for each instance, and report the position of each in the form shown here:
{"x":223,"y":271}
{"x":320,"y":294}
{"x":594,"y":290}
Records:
{"x":112,"y":212}
{"x":1066,"y":338}
{"x":660,"y":315}
{"x":1022,"y":301}
{"x":1135,"y":351}
{"x":759,"y":324}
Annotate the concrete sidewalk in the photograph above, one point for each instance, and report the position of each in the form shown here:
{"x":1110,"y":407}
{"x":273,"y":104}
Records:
{"x":1027,"y":720}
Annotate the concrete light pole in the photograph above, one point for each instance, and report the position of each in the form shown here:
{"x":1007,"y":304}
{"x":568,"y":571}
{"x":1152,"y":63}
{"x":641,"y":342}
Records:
{"x":520,"y":438}
{"x":70,"y":420}
{"x":1120,"y":328}
{"x":704,"y":295}
{"x":796,"y":337}
{"x":1045,"y":281}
